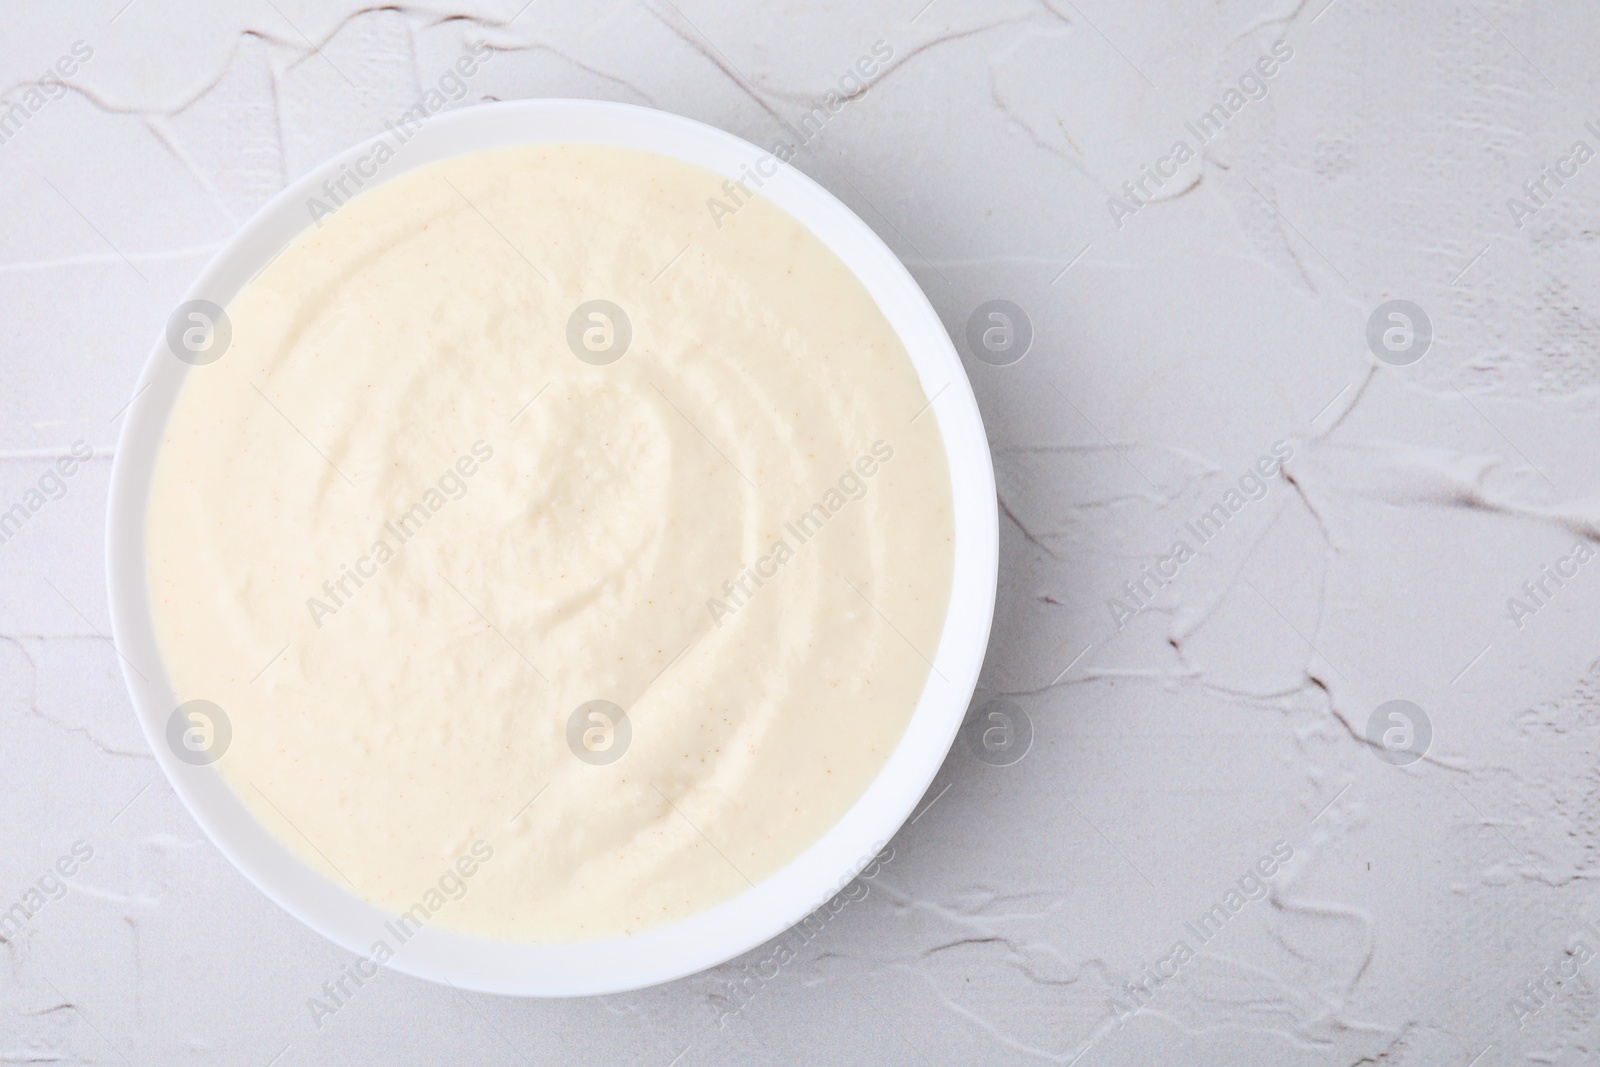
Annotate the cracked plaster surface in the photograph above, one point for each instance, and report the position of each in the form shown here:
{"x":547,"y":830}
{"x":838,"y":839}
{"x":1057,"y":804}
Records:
{"x":1173,"y":348}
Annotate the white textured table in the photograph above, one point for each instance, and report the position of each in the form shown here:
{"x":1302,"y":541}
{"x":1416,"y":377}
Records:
{"x":1193,"y":723}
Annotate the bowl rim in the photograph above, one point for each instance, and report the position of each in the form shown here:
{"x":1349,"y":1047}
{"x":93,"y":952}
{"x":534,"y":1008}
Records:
{"x":781,"y":900}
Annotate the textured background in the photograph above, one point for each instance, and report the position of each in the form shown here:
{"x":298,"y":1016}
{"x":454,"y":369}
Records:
{"x":1430,"y":905}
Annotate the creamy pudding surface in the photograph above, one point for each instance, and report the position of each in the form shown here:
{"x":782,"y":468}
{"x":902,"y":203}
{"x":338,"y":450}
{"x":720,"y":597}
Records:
{"x":538,"y":508}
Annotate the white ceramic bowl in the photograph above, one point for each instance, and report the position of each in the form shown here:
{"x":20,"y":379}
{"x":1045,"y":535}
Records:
{"x":779,"y":901}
